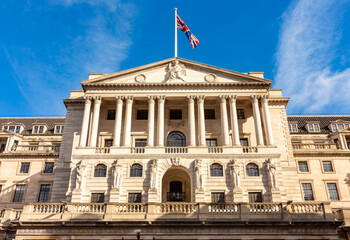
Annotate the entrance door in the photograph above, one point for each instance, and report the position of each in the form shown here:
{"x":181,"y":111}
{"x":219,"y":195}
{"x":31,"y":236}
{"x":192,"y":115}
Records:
{"x":175,"y":194}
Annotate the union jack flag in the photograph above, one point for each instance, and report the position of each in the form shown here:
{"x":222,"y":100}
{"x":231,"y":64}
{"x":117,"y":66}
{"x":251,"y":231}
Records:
{"x":182,"y":26}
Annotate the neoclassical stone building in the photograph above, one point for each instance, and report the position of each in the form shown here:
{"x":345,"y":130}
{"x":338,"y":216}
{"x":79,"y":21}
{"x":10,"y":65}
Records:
{"x":175,"y":150}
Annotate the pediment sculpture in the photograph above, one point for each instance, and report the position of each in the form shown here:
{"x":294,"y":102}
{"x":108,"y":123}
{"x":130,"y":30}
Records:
{"x":175,"y":71}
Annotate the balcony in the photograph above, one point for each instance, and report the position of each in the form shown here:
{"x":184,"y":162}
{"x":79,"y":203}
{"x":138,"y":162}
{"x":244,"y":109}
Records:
{"x":34,"y":149}
{"x":176,"y":196}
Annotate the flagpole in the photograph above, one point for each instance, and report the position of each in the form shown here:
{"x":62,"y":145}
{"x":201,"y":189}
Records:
{"x":175,"y":33}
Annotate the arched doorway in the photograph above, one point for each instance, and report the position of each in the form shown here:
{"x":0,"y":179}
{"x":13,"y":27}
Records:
{"x":176,"y":185}
{"x":176,"y":139}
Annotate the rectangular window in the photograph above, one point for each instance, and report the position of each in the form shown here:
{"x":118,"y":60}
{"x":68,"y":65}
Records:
{"x":209,"y":113}
{"x":293,"y":127}
{"x":97,"y":197}
{"x":142,"y":114}
{"x":307,"y":191}
{"x":24,"y":167}
{"x":19,"y":193}
{"x":211,"y":142}
{"x":334,"y":128}
{"x":314,"y":127}
{"x":108,"y":142}
{"x":12,"y":128}
{"x":6,"y":128}
{"x":340,"y":126}
{"x":44,"y":193}
{"x":134,"y":197}
{"x":18,"y":128}
{"x":41,"y":129}
{"x":327,"y":166}
{"x":59,"y":129}
{"x":218,"y":197}
{"x":303,"y":167}
{"x":240,"y":114}
{"x":255,"y":197}
{"x":111,"y":115}
{"x":346,"y":126}
{"x":36,"y":128}
{"x":140,"y":142}
{"x":333,"y":191}
{"x":49,"y":167}
{"x":244,"y":142}
{"x":175,"y":114}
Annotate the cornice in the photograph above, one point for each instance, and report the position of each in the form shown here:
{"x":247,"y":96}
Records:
{"x":27,"y":155}
{"x":73,"y":101}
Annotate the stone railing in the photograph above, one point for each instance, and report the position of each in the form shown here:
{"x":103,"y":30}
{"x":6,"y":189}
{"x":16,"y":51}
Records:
{"x":103,"y":150}
{"x":215,"y":150}
{"x":314,"y":146}
{"x":36,"y":148}
{"x":137,"y":150}
{"x":250,"y":149}
{"x":312,"y":211}
{"x":176,"y":150}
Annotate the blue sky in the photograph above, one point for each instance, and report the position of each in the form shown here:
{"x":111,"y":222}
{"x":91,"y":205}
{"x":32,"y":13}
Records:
{"x":48,"y":47}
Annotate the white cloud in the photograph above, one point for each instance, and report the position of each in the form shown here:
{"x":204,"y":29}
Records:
{"x":308,"y":45}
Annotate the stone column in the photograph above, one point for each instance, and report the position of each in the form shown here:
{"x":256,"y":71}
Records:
{"x":234,"y":121}
{"x":201,"y":121}
{"x":191,"y":121}
{"x":257,"y":120}
{"x":118,"y":121}
{"x":95,"y":119}
{"x":160,"y":135}
{"x":267,"y":117}
{"x":85,"y":124}
{"x":224,"y":121}
{"x":150,"y":122}
{"x":127,"y":121}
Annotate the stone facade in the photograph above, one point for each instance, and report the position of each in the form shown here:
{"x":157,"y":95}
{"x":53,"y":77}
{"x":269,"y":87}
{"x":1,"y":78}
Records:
{"x":175,"y":149}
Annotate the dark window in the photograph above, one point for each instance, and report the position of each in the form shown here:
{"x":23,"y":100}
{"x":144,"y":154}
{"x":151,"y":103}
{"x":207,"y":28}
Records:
{"x":41,"y":129}
{"x":244,"y":142}
{"x":18,"y":128}
{"x":134,"y":197}
{"x":111,"y":115}
{"x":211,"y":142}
{"x":176,"y":139}
{"x":252,"y":170}
{"x":209,"y":113}
{"x":175,"y":114}
{"x":140,"y":142}
{"x":19,"y":193}
{"x":307,"y":191}
{"x":49,"y":167}
{"x":255,"y":197}
{"x":0,"y":188}
{"x":108,"y":142}
{"x":24,"y":167}
{"x":327,"y":166}
{"x":216,"y":170}
{"x":142,"y":114}
{"x":240,"y":114}
{"x":303,"y":167}
{"x":44,"y":193}
{"x":100,"y":170}
{"x":97,"y":197}
{"x":218,"y":197}
{"x":333,"y":191}
{"x":136,"y":170}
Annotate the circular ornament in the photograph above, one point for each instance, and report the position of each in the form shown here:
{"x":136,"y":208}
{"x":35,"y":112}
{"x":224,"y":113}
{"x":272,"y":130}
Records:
{"x":140,"y":78}
{"x":211,"y":77}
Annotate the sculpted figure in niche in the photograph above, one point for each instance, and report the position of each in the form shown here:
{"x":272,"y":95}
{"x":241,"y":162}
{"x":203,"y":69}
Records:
{"x":117,"y":172}
{"x":235,"y":175}
{"x":176,"y":71}
{"x":153,"y":175}
{"x":198,"y":174}
{"x":271,"y":170}
{"x":81,"y":175}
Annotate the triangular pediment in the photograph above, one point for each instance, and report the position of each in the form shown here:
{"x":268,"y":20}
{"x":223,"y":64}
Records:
{"x":175,"y":70}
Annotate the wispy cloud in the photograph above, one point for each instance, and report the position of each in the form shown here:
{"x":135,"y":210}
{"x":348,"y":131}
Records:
{"x":308,"y":46}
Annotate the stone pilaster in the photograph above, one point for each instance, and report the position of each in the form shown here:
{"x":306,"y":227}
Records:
{"x":118,"y":121}
{"x":257,"y":120}
{"x":234,"y":121}
{"x":191,"y":121}
{"x":160,"y":133}
{"x":224,"y":121}
{"x":127,"y":122}
{"x":150,"y":121}
{"x":201,"y":121}
{"x":95,"y":120}
{"x":85,"y":124}
{"x":267,"y":118}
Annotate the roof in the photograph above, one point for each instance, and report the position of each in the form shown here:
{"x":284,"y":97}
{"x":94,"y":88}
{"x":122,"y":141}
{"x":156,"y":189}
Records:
{"x":28,"y":122}
{"x":323,"y":120}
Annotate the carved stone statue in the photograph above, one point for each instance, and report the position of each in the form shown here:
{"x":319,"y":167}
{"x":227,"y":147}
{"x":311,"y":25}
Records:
{"x":271,"y":170}
{"x":235,"y":173}
{"x":81,"y":175}
{"x":175,"y":161}
{"x":176,"y":71}
{"x":153,"y":175}
{"x":117,"y":173}
{"x":198,"y":174}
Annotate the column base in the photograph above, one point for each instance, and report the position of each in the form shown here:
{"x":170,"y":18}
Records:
{"x":114,"y":195}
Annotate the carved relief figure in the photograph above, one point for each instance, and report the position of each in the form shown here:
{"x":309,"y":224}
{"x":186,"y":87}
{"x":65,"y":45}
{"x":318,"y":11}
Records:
{"x":198,"y":174}
{"x":235,"y":175}
{"x":153,"y":175}
{"x":271,"y":170}
{"x":175,"y":161}
{"x":117,"y":173}
{"x":81,"y":175}
{"x":176,"y":71}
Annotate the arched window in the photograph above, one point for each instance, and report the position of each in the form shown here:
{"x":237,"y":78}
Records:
{"x":100,"y":170}
{"x":176,"y":139}
{"x":136,"y":170}
{"x":216,"y":170}
{"x":252,"y":170}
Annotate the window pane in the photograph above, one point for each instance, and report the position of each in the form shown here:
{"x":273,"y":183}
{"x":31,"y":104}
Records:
{"x":12,"y":128}
{"x":100,"y":170}
{"x":216,"y":170}
{"x":24,"y":167}
{"x":176,"y":139}
{"x":18,"y":128}
{"x":35,"y":129}
{"x":211,"y":142}
{"x":303,"y":167}
{"x":293,"y":127}
{"x":209,"y":113}
{"x":244,"y":142}
{"x":346,"y":125}
{"x":108,"y":142}
{"x":240,"y":114}
{"x":97,"y":197}
{"x":62,"y":127}
{"x":134,"y":197}
{"x":316,"y":127}
{"x":334,"y":128}
{"x":57,"y":130}
{"x":136,"y":170}
{"x":333,"y":191}
{"x":44,"y":193}
{"x":5,"y":127}
{"x":41,"y":129}
{"x":218,"y":197}
{"x":255,"y":197}
{"x":142,"y":114}
{"x":311,"y":127}
{"x":49,"y":167}
{"x":175,"y":114}
{"x":252,"y":170}
{"x":111,"y":115}
{"x":307,"y":191}
{"x":19,"y":193}
{"x":140,"y":142}
{"x":327,"y":166}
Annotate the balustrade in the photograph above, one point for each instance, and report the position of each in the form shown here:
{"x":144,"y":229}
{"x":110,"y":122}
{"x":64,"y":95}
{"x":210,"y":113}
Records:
{"x":176,"y":150}
{"x":130,"y":208}
{"x":250,"y":149}
{"x":89,"y":208}
{"x":317,"y":146}
{"x":103,"y":150}
{"x":37,"y":148}
{"x":306,"y":208}
{"x":215,"y":150}
{"x":265,"y":208}
{"x":47,"y":208}
{"x":224,"y":208}
{"x":137,"y":150}
{"x":177,"y":208}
